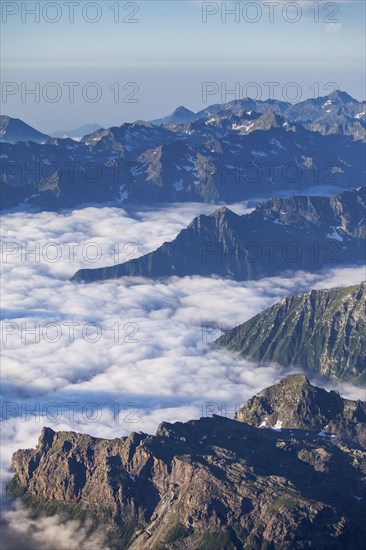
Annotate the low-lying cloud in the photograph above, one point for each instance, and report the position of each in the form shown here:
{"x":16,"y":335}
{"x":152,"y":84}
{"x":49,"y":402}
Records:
{"x":131,"y":352}
{"x":22,"y":531}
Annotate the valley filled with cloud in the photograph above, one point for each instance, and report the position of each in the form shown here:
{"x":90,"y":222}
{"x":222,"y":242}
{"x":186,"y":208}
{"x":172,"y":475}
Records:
{"x":123,"y":355}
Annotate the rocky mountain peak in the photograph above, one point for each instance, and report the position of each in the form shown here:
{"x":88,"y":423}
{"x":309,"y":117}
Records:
{"x":182,"y":111}
{"x":223,"y":211}
{"x":180,"y":115}
{"x":303,"y":220}
{"x":295,"y":382}
{"x":269,"y":119}
{"x":221,"y":216}
{"x":46,"y":438}
{"x":295,"y":403}
{"x":341,"y":97}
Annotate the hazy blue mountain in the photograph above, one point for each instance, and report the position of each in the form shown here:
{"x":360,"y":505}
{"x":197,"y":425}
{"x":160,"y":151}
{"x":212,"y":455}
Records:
{"x":77,"y":133}
{"x":178,"y":116}
{"x":337,"y":112}
{"x":13,"y":130}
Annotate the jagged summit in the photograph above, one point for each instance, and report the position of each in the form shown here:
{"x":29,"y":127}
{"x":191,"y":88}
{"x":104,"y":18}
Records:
{"x":295,"y":403}
{"x":269,"y":119}
{"x":223,"y":211}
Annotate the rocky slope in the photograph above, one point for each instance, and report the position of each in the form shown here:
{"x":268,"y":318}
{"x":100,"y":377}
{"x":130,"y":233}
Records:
{"x":301,"y":232}
{"x":226,"y":153}
{"x":295,"y":403}
{"x":322,"y":331}
{"x":209,"y":483}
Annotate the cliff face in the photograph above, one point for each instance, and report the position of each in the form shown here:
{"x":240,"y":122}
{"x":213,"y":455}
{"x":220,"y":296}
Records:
{"x":321,"y":331}
{"x":209,"y":483}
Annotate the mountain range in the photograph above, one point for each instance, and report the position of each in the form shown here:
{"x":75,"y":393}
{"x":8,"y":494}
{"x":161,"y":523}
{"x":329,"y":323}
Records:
{"x":337,"y":112}
{"x":322,"y":331}
{"x":300,"y":232}
{"x":225,"y":153}
{"x":215,"y":482}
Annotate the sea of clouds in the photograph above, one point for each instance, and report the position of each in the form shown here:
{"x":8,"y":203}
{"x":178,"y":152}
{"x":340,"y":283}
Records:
{"x":123,"y":355}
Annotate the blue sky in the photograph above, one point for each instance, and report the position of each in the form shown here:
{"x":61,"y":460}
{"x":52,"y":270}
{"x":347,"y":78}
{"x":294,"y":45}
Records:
{"x":170,"y":51}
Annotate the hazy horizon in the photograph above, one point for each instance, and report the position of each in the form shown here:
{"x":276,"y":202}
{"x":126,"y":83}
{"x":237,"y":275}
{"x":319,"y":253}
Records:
{"x":159,"y":54}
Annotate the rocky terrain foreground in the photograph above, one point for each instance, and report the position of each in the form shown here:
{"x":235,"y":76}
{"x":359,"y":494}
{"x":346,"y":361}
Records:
{"x":215,"y":482}
{"x":323,"y":331}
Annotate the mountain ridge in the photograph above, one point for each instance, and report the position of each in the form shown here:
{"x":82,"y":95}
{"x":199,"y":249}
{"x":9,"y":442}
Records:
{"x":215,"y":245}
{"x":321,"y":331}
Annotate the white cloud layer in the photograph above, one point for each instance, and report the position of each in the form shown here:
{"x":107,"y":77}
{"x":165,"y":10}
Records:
{"x":169,"y":373}
{"x":23,"y":532}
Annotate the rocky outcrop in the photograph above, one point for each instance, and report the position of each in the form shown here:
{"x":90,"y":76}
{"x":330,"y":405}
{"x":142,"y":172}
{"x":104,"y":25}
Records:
{"x":322,"y":331}
{"x":213,"y":482}
{"x":295,"y":403}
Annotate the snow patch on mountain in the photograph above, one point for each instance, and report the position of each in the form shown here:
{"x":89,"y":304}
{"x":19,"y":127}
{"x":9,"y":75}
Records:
{"x":335,"y":235}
